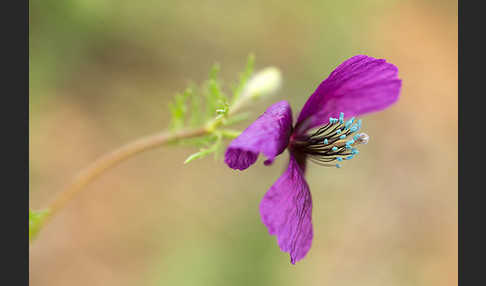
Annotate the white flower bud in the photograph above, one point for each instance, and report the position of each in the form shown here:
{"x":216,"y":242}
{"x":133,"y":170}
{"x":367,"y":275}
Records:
{"x":265,"y":82}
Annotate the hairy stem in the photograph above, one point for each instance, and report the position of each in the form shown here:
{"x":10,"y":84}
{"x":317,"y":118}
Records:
{"x":111,"y":160}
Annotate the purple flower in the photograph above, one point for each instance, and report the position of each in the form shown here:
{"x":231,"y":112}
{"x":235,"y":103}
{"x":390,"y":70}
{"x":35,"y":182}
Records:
{"x":358,"y":86}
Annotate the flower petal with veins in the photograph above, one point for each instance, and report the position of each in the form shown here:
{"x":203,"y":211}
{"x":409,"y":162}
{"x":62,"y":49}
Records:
{"x":359,"y":85}
{"x":286,"y":210}
{"x":268,"y":134}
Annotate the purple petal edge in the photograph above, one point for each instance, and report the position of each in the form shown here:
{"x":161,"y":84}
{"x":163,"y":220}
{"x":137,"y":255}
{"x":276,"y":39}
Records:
{"x":268,"y":134}
{"x":359,"y":85}
{"x":286,"y":211}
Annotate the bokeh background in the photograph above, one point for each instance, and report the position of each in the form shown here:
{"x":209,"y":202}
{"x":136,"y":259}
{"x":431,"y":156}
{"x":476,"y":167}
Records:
{"x":102,"y":73}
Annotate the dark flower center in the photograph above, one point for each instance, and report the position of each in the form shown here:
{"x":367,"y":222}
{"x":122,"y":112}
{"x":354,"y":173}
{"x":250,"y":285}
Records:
{"x":332,"y":142}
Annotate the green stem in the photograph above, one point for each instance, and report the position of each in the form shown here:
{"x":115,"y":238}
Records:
{"x":128,"y":150}
{"x":111,"y":160}
{"x":229,"y":133}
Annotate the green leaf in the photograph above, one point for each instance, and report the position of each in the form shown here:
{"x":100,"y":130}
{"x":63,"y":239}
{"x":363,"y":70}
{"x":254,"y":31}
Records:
{"x":196,"y":111}
{"x":244,"y":77}
{"x":194,"y":156}
{"x":214,"y":148}
{"x":201,"y":154}
{"x":207,"y":106}
{"x":36,"y":218}
{"x":216,"y":100}
{"x":178,"y":109}
{"x":236,"y":118}
{"x":231,"y":134}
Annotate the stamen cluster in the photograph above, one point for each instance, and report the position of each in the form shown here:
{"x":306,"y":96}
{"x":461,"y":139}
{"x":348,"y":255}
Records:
{"x":331,"y":142}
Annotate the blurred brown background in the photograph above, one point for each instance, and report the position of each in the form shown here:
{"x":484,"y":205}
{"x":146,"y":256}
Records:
{"x":102,"y":73}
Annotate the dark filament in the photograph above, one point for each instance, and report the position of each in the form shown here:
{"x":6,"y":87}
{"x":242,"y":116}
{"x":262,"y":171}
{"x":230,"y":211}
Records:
{"x":327,"y":144}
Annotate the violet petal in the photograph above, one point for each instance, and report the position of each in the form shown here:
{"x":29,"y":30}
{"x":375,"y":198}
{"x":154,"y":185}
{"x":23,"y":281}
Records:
{"x":358,"y":86}
{"x":268,"y":134}
{"x":286,"y":210}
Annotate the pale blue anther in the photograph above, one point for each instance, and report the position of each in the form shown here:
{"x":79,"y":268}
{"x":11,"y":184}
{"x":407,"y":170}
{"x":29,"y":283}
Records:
{"x":339,"y":159}
{"x":325,"y":141}
{"x":349,"y":122}
{"x":334,"y":148}
{"x":354,"y":128}
{"x":342,"y":136}
{"x":341,"y":117}
{"x":356,"y":137}
{"x":338,"y":131}
{"x":349,"y":143}
{"x":338,"y":166}
{"x":349,"y":157}
{"x":359,"y":124}
{"x":332,"y":120}
{"x":354,"y":151}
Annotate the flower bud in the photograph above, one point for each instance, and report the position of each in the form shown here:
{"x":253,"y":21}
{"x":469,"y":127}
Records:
{"x":263,"y":83}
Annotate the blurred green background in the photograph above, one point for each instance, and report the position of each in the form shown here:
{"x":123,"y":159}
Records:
{"x":102,"y":73}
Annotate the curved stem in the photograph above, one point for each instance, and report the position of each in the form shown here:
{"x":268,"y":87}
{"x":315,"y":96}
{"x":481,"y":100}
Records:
{"x":112,"y":159}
